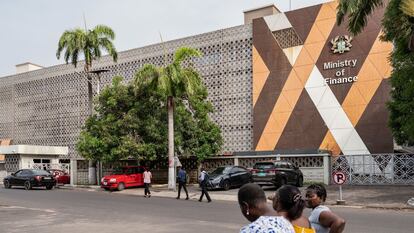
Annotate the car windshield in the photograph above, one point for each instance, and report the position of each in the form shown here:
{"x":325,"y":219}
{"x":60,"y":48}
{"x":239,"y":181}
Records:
{"x":221,"y":170}
{"x":119,"y":171}
{"x":40,"y":172}
{"x":263,"y":166}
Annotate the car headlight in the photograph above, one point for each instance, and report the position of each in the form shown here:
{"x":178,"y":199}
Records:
{"x":102,"y":180}
{"x":113,"y":180}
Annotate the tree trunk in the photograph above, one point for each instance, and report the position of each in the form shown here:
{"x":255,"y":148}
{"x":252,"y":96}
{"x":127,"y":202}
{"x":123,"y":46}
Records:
{"x":171,"y":171}
{"x":92,"y":168}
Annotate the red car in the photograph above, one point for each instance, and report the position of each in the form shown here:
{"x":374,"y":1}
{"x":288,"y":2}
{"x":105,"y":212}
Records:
{"x":60,"y":176}
{"x":125,"y":177}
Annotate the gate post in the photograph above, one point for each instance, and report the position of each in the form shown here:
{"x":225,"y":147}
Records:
{"x":73,"y":172}
{"x":326,"y":169}
{"x":236,"y":161}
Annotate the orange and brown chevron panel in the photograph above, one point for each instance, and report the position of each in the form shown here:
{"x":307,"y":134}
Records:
{"x":316,"y":87}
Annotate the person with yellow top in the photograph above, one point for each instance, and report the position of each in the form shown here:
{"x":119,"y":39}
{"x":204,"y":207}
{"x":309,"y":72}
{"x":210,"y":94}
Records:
{"x":289,"y":203}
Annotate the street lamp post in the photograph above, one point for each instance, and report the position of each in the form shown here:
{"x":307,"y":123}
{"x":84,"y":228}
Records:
{"x":98,"y":163}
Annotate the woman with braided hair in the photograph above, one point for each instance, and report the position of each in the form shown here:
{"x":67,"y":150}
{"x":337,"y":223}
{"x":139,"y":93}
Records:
{"x":321,"y":217}
{"x":289,"y":203}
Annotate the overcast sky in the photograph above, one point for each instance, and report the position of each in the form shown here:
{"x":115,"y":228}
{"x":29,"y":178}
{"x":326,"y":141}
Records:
{"x":30,"y":29}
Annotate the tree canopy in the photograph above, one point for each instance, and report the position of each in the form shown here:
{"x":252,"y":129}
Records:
{"x":131,"y":124}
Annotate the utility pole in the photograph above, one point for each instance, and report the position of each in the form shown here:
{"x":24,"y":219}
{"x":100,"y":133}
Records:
{"x":98,"y":91}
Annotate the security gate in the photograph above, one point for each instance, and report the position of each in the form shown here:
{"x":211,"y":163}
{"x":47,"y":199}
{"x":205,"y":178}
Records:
{"x":375,"y":168}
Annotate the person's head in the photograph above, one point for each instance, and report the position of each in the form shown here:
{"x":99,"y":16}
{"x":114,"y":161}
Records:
{"x":179,"y":167}
{"x":202,"y":169}
{"x":251,"y":199}
{"x":289,"y":199}
{"x":315,"y":195}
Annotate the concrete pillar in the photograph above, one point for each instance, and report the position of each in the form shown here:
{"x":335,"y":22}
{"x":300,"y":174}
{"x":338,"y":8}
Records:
{"x":326,"y":169}
{"x":236,"y":161}
{"x":73,"y":172}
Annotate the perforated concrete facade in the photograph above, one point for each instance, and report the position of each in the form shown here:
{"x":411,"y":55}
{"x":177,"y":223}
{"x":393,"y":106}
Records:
{"x":49,"y":106}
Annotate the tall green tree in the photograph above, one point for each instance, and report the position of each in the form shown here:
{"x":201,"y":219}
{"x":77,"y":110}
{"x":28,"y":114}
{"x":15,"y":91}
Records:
{"x":124,"y":126}
{"x":129,"y":124}
{"x":398,"y":28}
{"x":90,"y":44}
{"x":175,"y":81}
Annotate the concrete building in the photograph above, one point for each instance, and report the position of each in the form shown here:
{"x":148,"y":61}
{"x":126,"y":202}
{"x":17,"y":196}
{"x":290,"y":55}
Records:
{"x":280,"y":82}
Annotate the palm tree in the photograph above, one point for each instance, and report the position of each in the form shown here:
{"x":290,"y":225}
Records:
{"x":89,"y":43}
{"x":173,"y":81}
{"x":357,"y":11}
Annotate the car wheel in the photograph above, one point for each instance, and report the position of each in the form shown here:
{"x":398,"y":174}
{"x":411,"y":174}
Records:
{"x":107,"y":189}
{"x":226,"y":185}
{"x":27,"y":185}
{"x":300,"y":182}
{"x":121,"y":186}
{"x":7,"y":184}
{"x":49,"y":187}
{"x":281,"y":182}
{"x":251,"y":180}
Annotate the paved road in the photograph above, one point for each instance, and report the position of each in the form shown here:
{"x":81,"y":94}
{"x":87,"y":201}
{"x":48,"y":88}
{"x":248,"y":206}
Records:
{"x":93,"y":211}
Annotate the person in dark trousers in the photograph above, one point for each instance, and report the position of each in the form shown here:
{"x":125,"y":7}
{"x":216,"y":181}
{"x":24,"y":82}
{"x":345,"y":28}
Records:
{"x":204,"y":179}
{"x":182,"y":180}
{"x":147,"y":182}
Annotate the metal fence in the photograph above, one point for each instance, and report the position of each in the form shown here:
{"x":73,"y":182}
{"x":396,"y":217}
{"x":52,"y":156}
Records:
{"x":375,"y":169}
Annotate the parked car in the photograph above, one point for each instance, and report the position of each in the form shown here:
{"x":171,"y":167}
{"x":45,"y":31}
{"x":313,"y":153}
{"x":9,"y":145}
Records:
{"x":60,"y":176}
{"x":125,"y":177}
{"x":277,"y":173}
{"x":29,"y":178}
{"x":229,"y":176}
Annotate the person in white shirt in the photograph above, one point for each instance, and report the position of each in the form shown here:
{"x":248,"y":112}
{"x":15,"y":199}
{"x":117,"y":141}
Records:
{"x":204,"y":179}
{"x":322,"y":219}
{"x":147,"y":182}
{"x":263,"y":218}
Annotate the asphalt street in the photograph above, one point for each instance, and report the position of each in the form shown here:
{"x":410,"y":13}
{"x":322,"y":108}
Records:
{"x":96,"y":211}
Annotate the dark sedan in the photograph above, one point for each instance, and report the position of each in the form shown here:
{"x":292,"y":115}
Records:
{"x":229,"y":176}
{"x":29,"y":178}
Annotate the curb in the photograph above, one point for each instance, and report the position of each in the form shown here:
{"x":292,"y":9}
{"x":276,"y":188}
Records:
{"x":159,"y":192}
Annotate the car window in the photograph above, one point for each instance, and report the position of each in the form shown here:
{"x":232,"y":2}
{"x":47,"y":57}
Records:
{"x":281,"y":165}
{"x":26,"y":173}
{"x":239,"y":169}
{"x":118,"y":171}
{"x":221,"y":170}
{"x":18,"y":173}
{"x":140,"y":170}
{"x":39,"y":172}
{"x":267,"y":165}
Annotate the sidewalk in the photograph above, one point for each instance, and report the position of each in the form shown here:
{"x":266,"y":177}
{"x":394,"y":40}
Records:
{"x":387,"y":197}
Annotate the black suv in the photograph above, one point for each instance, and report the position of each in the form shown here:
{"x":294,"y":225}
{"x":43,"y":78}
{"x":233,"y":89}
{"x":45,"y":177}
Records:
{"x":277,"y":173}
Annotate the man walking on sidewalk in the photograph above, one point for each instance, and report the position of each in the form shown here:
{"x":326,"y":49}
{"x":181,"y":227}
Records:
{"x":147,"y":182}
{"x":182,"y":180}
{"x":204,"y":180}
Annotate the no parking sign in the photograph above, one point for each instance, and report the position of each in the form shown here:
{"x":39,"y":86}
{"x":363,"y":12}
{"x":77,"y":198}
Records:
{"x":339,"y":178}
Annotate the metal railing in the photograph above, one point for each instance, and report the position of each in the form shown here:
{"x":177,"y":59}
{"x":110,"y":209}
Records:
{"x":375,"y":169}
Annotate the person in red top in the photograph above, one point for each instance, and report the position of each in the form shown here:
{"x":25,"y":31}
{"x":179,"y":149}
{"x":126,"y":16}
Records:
{"x":147,"y":182}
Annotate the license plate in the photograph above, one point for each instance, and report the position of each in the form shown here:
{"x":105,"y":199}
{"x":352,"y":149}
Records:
{"x":261,"y":174}
{"x":105,"y":183}
{"x":47,"y":178}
